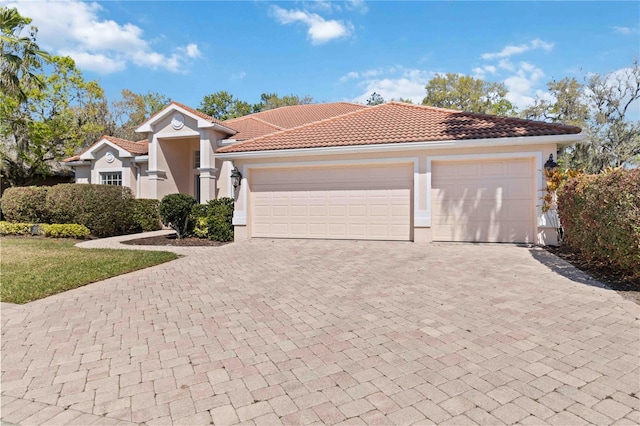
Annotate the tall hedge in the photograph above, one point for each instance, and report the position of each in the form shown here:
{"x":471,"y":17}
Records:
{"x":25,"y":204}
{"x":106,"y":210}
{"x":600,"y":215}
{"x":146,"y":215}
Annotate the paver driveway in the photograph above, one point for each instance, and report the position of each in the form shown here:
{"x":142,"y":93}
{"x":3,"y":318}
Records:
{"x":298,"y":332}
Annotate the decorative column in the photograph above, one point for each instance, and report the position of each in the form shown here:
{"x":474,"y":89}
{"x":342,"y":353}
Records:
{"x":207,"y":167}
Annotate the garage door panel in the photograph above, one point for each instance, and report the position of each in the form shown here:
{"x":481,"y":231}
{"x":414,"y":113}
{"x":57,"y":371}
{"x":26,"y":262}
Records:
{"x":366,"y":202}
{"x":491,"y":201}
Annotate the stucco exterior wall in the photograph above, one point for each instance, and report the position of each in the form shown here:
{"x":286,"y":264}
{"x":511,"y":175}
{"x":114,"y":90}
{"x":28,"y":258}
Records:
{"x":82,"y":174}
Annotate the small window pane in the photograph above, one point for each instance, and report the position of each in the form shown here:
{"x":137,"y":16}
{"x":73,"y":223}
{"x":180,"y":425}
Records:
{"x":111,"y":178}
{"x":196,"y":159}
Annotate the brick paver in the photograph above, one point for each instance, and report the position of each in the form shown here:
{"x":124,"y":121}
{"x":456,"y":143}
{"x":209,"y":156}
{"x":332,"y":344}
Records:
{"x":300,"y":332}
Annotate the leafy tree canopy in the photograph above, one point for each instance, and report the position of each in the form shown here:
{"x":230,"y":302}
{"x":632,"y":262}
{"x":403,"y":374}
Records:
{"x":223,"y":106}
{"x":375,"y":99}
{"x":20,"y":56}
{"x":466,"y":93}
{"x":600,"y":107}
{"x":133,"y":109}
{"x":272,"y":100}
{"x":53,"y":121}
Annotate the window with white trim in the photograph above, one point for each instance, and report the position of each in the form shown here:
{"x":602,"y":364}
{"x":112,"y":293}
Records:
{"x":111,"y":178}
{"x":196,"y":159}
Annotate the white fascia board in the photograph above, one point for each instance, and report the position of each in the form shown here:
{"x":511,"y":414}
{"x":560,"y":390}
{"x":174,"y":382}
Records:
{"x":88,"y":155}
{"x":408,"y":146}
{"x":141,"y":159}
{"x":201,"y":122}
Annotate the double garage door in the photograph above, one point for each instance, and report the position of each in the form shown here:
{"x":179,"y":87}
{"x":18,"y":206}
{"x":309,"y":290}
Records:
{"x":489,"y":201}
{"x":355,"y":202}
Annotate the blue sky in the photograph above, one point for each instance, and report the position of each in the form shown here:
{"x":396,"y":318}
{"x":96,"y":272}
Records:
{"x":334,"y":50}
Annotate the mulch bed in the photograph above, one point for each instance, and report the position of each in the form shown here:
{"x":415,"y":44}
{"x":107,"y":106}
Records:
{"x":626,"y":287}
{"x":172,"y":240}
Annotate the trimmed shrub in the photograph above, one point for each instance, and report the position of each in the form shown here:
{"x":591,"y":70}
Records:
{"x":15,"y":228}
{"x":105,"y":209}
{"x":68,"y":230}
{"x":219,"y":219}
{"x":25,"y":204}
{"x":146,"y":215}
{"x":199,"y":220}
{"x":175,"y":211}
{"x":600,"y":215}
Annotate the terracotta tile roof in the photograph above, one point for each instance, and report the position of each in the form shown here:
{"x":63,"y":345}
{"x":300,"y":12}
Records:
{"x":298,"y":115}
{"x":249,"y":127}
{"x":136,"y":148}
{"x":396,"y":122}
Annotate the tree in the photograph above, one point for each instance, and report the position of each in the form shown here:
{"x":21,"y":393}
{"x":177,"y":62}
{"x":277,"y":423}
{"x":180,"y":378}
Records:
{"x":20,"y":56}
{"x":223,"y":106}
{"x":272,"y":100}
{"x":614,"y":140}
{"x":375,"y":99}
{"x":133,"y":109}
{"x":465,"y":93}
{"x":52,"y":122}
{"x":599,"y":107}
{"x":569,"y":105}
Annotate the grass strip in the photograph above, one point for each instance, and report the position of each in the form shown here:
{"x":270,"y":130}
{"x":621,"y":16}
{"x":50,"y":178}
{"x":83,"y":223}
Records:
{"x":32,"y":268}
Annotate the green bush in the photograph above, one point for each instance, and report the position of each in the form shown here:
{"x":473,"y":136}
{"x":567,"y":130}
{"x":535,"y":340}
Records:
{"x":105,"y":209}
{"x":199,"y":220}
{"x":175,"y":211}
{"x":25,"y":204}
{"x":69,"y":230}
{"x":146,"y":215}
{"x":15,"y":228}
{"x":219,"y":219}
{"x":600,"y":215}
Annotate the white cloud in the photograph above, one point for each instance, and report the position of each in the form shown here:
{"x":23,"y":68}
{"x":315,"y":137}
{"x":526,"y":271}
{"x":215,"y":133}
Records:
{"x":319,"y":30}
{"x":625,"y":30}
{"x":75,"y":29}
{"x":511,"y":50}
{"x":358,"y":5}
{"x":192,"y":50}
{"x":95,"y":62}
{"x":392,"y":82}
{"x":238,"y":76}
{"x":481,"y":72}
{"x":521,"y":85}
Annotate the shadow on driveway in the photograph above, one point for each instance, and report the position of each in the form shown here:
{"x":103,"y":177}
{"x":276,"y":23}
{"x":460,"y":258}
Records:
{"x":564,"y":268}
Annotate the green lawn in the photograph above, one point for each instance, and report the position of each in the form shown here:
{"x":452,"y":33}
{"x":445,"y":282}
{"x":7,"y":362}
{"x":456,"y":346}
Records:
{"x":33,"y":268}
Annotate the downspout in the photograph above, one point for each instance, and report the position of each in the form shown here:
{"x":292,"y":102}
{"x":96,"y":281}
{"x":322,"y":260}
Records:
{"x":138,"y":186}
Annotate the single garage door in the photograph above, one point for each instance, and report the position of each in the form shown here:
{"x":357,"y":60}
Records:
{"x":354,"y":202}
{"x":483,"y":201}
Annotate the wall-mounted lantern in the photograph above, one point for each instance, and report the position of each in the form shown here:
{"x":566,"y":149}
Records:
{"x":236,"y":177}
{"x":550,"y":166}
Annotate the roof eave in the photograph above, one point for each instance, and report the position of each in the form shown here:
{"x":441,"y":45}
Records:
{"x":147,"y":127}
{"x":562,"y":140}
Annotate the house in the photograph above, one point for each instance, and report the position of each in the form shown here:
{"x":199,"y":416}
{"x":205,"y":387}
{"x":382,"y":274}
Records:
{"x":394,"y":171}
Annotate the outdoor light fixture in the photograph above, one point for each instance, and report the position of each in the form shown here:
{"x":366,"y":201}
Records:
{"x":236,"y":177}
{"x":550,"y":166}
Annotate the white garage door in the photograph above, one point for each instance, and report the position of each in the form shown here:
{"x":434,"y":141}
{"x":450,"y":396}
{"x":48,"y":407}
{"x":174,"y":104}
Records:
{"x":355,"y":202}
{"x":484,"y":201}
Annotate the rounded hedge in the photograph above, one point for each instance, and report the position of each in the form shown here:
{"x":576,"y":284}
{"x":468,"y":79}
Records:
{"x":25,"y":204}
{"x":175,"y":211}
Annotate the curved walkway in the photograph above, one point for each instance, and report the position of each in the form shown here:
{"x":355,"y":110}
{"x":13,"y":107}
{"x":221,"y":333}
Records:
{"x":298,"y":332}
